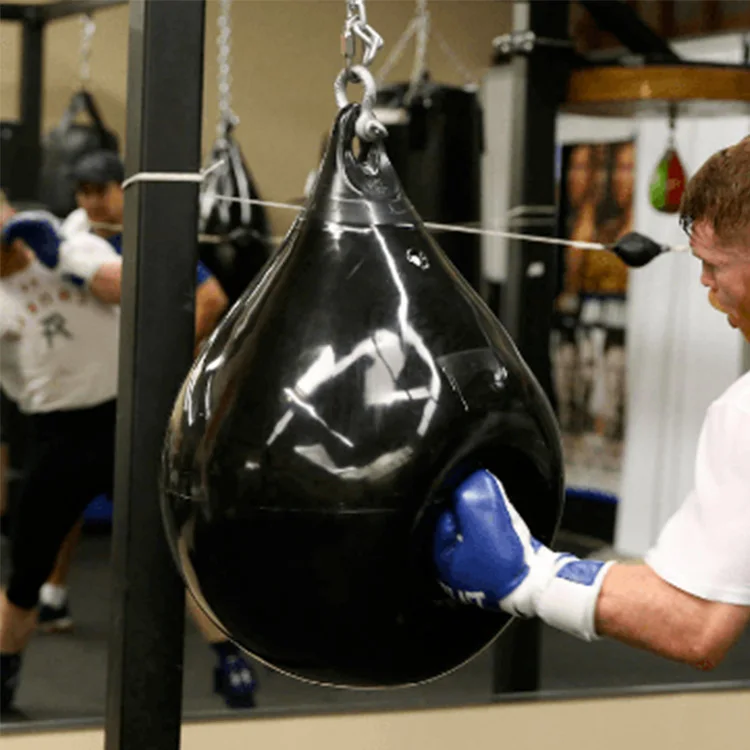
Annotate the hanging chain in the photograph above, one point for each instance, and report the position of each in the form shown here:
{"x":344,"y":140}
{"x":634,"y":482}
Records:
{"x":224,"y":69}
{"x":356,"y":27}
{"x":469,"y":77}
{"x":421,"y":38}
{"x":672,"y":123}
{"x":397,"y":51}
{"x":88,"y":27}
{"x":421,"y":29}
{"x":368,"y":127}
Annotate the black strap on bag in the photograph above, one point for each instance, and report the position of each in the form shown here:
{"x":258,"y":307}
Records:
{"x":64,"y":146}
{"x":242,"y":243}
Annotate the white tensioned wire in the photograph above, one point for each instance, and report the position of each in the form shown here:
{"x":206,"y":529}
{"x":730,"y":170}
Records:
{"x":434,"y":226}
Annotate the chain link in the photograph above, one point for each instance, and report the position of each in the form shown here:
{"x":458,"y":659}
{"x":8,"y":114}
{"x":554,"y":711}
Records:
{"x":224,"y":69}
{"x":356,"y":26}
{"x":88,"y":28}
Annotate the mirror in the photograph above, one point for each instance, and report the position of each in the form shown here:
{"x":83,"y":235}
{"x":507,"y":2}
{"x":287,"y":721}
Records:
{"x":63,"y":679}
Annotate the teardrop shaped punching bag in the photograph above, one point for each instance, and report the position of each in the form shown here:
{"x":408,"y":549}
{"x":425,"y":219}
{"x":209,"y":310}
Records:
{"x":435,"y":144}
{"x":241,"y":228}
{"x":323,"y":428}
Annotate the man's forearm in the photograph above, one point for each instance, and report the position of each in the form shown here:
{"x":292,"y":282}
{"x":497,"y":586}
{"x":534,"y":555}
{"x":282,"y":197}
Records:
{"x":637,"y":607}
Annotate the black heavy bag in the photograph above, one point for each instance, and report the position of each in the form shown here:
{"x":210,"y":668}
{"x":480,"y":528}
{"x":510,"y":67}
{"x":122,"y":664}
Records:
{"x":64,"y":146}
{"x":322,"y":429}
{"x":243,"y":238}
{"x":435,"y":143}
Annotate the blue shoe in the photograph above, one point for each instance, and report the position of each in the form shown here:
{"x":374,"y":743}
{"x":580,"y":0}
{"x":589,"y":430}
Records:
{"x":54,"y":619}
{"x":234,"y":681}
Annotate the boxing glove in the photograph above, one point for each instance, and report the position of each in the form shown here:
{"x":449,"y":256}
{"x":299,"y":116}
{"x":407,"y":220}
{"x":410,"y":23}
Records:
{"x":485,"y":556}
{"x":76,"y":259}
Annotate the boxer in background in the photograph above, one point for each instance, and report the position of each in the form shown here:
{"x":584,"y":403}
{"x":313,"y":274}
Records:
{"x":59,"y":325}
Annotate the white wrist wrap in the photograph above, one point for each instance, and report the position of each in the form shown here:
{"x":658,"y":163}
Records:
{"x":562,"y":590}
{"x":568,"y":602}
{"x":84,"y":254}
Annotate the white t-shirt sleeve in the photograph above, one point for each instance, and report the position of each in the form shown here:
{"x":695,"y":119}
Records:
{"x":705,"y":547}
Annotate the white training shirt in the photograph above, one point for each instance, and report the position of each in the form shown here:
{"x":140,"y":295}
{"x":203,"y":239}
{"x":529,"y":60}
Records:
{"x":58,"y":343}
{"x":705,"y":547}
{"x":75,"y":222}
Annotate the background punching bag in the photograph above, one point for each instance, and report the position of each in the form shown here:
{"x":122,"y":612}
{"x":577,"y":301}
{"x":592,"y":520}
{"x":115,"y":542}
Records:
{"x":241,"y":228}
{"x":64,"y":146}
{"x":323,"y":428}
{"x":435,"y":144}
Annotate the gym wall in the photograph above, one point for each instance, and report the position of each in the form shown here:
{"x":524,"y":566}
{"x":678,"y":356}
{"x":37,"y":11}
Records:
{"x":285,"y":56}
{"x":663,"y":722}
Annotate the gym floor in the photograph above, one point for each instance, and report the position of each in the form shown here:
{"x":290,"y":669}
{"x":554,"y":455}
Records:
{"x":64,"y":675}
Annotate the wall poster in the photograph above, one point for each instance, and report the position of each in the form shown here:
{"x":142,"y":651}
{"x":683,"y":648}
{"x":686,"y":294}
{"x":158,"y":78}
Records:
{"x":588,"y":339}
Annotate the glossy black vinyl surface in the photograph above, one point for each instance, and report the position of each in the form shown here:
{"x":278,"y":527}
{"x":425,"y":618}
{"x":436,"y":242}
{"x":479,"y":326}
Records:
{"x":323,"y":427}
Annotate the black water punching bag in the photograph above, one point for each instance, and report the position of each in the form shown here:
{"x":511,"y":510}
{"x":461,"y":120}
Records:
{"x":235,"y":234}
{"x":435,"y":143}
{"x":324,"y":427}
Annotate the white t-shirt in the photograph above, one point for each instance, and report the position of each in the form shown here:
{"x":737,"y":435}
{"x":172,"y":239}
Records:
{"x":75,"y":222}
{"x":58,"y":343}
{"x":705,"y":547}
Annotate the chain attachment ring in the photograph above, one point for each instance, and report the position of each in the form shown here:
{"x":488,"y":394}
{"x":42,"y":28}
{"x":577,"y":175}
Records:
{"x":368,"y":127}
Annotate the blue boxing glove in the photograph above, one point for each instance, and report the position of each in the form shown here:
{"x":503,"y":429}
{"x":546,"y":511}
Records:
{"x":485,"y":555}
{"x":40,"y":231}
{"x":76,"y":259}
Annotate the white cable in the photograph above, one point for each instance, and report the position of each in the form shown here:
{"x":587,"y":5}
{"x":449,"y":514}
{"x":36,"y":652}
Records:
{"x":170,"y":176}
{"x":517,"y":236}
{"x":198,"y":177}
{"x":456,"y":228}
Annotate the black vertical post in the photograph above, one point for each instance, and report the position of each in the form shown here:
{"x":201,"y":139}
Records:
{"x":165,"y":83}
{"x":539,"y":81}
{"x":31,"y":104}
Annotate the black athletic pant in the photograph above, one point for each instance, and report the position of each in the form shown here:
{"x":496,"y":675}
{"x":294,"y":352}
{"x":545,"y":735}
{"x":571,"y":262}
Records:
{"x":69,"y":461}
